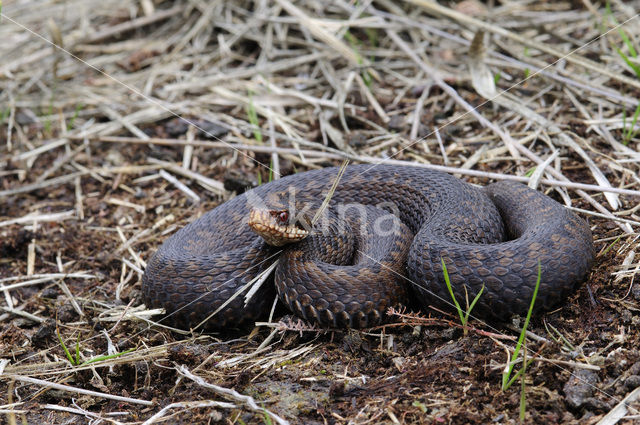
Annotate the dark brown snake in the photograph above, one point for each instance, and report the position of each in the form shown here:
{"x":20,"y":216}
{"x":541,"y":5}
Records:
{"x":349,"y":272}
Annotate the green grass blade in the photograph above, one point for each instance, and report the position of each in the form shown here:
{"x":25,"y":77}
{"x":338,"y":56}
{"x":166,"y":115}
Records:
{"x":107,"y":357}
{"x":64,"y":347}
{"x":473,"y":303}
{"x":558,"y":337}
{"x":506,"y":383}
{"x":253,"y":120}
{"x":518,"y":374}
{"x":609,"y":13}
{"x":628,"y":43}
{"x":629,"y":131}
{"x":446,"y":279}
{"x":76,"y":113}
{"x":607,"y":249}
{"x":523,"y":396}
{"x":630,"y":64}
{"x":355,"y":43}
{"x":267,"y":419}
{"x":78,"y":350}
{"x":355,"y":47}
{"x":625,"y":39}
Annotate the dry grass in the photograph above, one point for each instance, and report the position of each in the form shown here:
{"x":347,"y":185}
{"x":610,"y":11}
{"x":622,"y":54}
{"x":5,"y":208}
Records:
{"x":140,"y":116}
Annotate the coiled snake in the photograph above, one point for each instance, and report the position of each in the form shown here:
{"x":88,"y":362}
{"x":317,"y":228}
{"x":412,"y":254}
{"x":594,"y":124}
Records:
{"x":361,"y":259}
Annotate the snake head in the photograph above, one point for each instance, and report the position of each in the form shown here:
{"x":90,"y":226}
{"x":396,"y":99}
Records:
{"x":279,"y":227}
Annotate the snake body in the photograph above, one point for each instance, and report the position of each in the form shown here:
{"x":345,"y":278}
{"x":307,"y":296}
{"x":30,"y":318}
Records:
{"x":355,"y":267}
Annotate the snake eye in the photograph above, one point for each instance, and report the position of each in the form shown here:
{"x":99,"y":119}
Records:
{"x":283,"y":217}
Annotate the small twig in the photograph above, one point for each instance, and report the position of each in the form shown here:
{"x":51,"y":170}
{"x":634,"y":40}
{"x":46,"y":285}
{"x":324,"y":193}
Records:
{"x":24,"y":314}
{"x":61,"y":387}
{"x":181,"y":186}
{"x":140,"y":208}
{"x":608,"y":217}
{"x":41,"y":185}
{"x":70,"y":296}
{"x":30,"y":218}
{"x":209,"y":184}
{"x":332,"y":189}
{"x":416,"y":319}
{"x":143,"y":21}
{"x":247,"y":400}
{"x":275,"y":159}
{"x":188,"y":405}
{"x":322,"y":34}
{"x":621,"y":410}
{"x":82,"y":412}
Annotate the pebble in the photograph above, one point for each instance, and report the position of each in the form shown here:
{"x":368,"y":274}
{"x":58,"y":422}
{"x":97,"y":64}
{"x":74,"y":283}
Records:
{"x":632,"y":382}
{"x":580,"y":387}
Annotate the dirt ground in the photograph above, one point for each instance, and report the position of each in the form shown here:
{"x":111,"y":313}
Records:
{"x":155,"y":112}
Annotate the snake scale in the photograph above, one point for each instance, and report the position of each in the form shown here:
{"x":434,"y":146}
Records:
{"x":360,"y":259}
